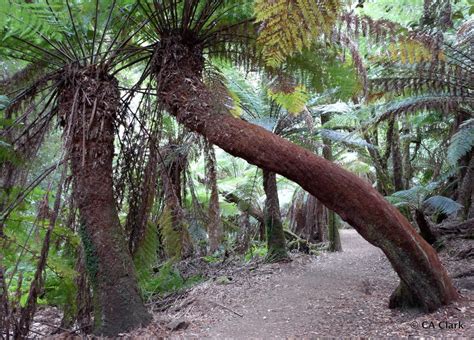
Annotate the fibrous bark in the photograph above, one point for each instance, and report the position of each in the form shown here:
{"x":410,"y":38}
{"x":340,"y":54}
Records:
{"x":214,"y":228}
{"x":466,"y":190}
{"x":425,"y":229}
{"x":88,"y":103}
{"x":174,"y":226}
{"x":308,"y":217}
{"x":276,"y":243}
{"x":333,"y":230}
{"x":178,"y":63}
{"x":141,"y":200}
{"x":397,"y":160}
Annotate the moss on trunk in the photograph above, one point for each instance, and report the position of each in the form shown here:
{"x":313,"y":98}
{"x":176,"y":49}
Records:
{"x":276,"y":242}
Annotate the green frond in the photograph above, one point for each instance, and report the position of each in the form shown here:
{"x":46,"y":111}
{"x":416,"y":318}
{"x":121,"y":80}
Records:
{"x":287,"y":27}
{"x":442,"y":204}
{"x":294,"y":101}
{"x":411,"y":197}
{"x":440,"y":102}
{"x":26,"y":20}
{"x":145,"y":256}
{"x":462,"y":142}
{"x":348,"y":139}
{"x":344,"y":121}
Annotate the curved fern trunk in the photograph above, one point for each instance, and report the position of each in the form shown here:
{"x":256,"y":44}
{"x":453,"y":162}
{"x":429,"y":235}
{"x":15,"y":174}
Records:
{"x":88,"y":104}
{"x":178,"y":66}
{"x":275,"y":235}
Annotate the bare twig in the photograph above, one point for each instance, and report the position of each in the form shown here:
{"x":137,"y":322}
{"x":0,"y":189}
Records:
{"x":226,"y":308}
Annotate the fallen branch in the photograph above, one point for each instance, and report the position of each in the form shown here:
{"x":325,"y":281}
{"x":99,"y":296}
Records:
{"x":226,"y":308}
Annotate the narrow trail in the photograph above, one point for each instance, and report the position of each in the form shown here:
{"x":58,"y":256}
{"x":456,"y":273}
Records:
{"x":336,"y":294}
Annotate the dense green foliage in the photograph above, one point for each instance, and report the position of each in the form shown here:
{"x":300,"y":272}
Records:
{"x":388,"y":90}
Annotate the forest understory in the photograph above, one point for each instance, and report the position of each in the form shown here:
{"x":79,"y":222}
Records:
{"x":234,"y":169}
{"x":341,"y":294}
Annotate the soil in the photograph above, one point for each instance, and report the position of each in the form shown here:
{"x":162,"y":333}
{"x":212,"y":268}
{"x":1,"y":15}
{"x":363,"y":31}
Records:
{"x":343,"y":294}
{"x":334,"y":294}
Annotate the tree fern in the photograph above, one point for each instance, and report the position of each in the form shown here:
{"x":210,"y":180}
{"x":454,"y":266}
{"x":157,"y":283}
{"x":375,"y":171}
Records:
{"x":289,"y":26}
{"x":442,"y":204}
{"x":294,"y":100}
{"x":145,"y":256}
{"x":462,"y":142}
{"x":348,"y":139}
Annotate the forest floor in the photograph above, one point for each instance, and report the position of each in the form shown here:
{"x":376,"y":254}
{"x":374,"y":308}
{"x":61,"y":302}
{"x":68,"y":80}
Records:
{"x":333,"y":294}
{"x":343,"y":294}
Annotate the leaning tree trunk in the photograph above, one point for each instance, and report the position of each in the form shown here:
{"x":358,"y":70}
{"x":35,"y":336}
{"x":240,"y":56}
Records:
{"x":178,"y":67}
{"x":88,"y":103}
{"x":272,"y":216}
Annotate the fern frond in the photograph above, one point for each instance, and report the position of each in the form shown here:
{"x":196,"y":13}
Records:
{"x":146,"y":253}
{"x":347,"y":121}
{"x":442,"y":102}
{"x":462,"y":142}
{"x":294,"y":101}
{"x":465,"y":34}
{"x":413,"y":196}
{"x":345,"y":138}
{"x":289,"y":26}
{"x":379,"y":30}
{"x":442,"y":204}
{"x":438,"y":76}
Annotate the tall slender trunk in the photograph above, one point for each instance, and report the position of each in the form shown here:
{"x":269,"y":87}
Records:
{"x":397,"y":160}
{"x":276,"y":242}
{"x":141,"y":203}
{"x":174,"y":226}
{"x":333,"y":230}
{"x":383,"y":179}
{"x":89,"y":105}
{"x":466,"y":190}
{"x":214,"y":228}
{"x":178,"y":66}
{"x":406,"y":160}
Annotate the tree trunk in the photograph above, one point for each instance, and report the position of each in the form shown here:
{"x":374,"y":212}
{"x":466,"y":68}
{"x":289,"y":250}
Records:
{"x":178,"y":68}
{"x":425,"y":229}
{"x":384,"y":185}
{"x":308,"y":217}
{"x":141,"y":201}
{"x":466,"y":189}
{"x":397,"y":160}
{"x":174,"y":227}
{"x":245,"y":233}
{"x":214,"y":228}
{"x":276,"y":242}
{"x":333,"y":231}
{"x":89,"y":136}
{"x":406,"y":161}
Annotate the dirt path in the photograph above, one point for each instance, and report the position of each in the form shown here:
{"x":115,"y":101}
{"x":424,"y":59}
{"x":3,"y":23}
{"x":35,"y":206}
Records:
{"x":338,"y":294}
